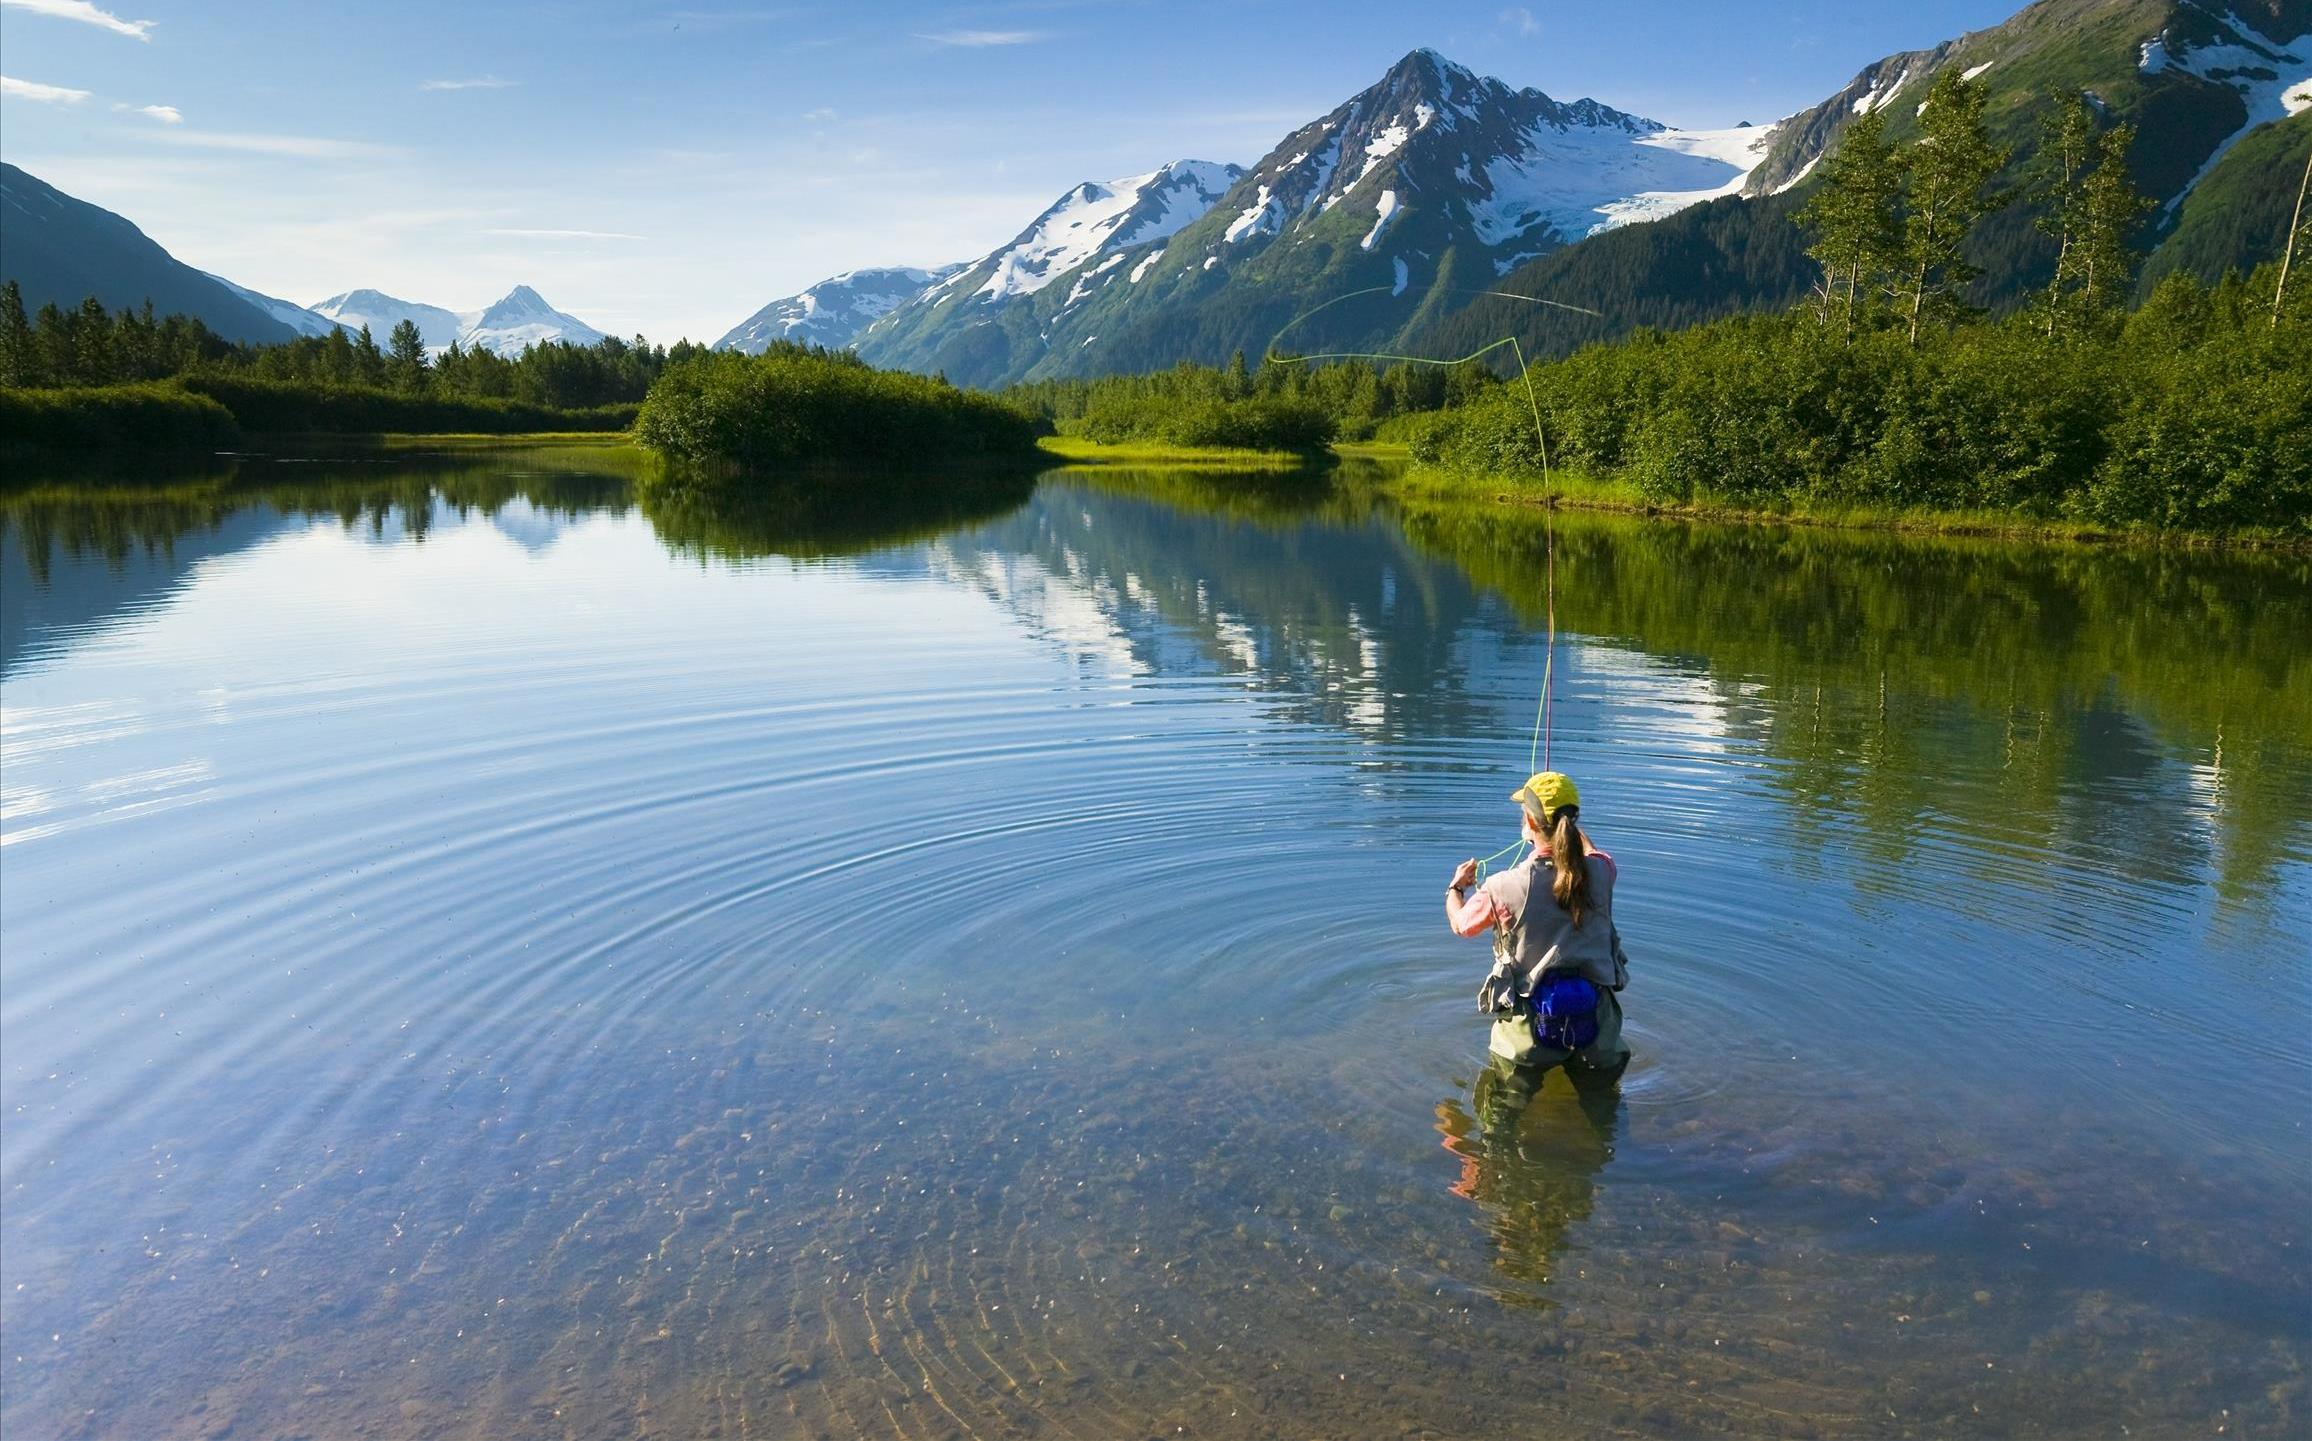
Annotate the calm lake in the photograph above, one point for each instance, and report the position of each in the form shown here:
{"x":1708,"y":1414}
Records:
{"x":490,"y":953}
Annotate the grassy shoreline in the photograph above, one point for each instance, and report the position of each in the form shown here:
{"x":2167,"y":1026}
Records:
{"x":1575,"y":490}
{"x":1572,"y":490}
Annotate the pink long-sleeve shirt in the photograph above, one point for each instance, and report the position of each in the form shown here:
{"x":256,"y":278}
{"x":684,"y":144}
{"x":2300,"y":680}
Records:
{"x":1479,"y":912}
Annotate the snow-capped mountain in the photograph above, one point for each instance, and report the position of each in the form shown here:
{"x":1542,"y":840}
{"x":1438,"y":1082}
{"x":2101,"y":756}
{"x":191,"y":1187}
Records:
{"x":1091,"y":237}
{"x":288,"y":312}
{"x":382,"y":312}
{"x":1433,"y":174}
{"x":833,"y":312}
{"x":521,"y":318}
{"x":1512,"y":170}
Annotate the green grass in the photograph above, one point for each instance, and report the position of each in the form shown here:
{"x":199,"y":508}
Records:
{"x":1079,"y":452}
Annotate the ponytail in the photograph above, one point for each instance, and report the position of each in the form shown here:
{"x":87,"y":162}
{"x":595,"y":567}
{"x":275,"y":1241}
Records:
{"x":1570,"y":859}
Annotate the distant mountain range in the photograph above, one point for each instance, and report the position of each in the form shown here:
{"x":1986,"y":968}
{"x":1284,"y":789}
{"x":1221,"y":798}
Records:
{"x":1402,"y":218}
{"x":60,"y":251}
{"x":520,"y":319}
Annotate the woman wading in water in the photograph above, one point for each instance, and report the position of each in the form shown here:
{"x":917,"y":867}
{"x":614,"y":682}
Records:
{"x":1557,"y":958}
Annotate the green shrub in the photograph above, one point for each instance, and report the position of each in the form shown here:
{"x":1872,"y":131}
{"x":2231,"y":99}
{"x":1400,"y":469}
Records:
{"x":114,"y":417}
{"x":782,"y":409}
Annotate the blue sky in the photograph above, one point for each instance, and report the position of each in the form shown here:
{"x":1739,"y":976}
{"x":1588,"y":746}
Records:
{"x":668,"y":168}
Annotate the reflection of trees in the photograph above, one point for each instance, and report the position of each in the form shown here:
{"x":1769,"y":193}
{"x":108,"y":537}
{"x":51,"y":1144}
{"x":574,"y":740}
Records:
{"x":1531,"y":1144}
{"x":114,"y":520}
{"x":1899,"y":678}
{"x":149,"y":535}
{"x":825,"y":514}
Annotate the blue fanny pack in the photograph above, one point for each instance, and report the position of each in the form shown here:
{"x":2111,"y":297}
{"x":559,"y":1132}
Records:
{"x":1565,"y":1012}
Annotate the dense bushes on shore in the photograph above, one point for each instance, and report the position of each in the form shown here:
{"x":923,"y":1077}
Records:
{"x":791,"y":406}
{"x":1281,"y":406}
{"x":303,"y":407}
{"x":100,"y":419}
{"x":2193,"y":415}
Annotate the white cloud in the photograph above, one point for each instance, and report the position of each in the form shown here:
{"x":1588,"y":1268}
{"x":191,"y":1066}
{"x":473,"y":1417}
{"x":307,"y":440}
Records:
{"x":820,"y":116}
{"x":304,"y":147}
{"x":566,"y":234}
{"x":978,"y":38}
{"x":1520,"y":19}
{"x":486,"y":82}
{"x":34,"y":90}
{"x":165,"y":114}
{"x":87,"y":14}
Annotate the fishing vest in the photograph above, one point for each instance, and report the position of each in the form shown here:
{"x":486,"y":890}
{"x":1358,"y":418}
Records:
{"x":1543,"y":940}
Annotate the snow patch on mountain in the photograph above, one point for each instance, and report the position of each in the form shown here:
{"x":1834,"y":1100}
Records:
{"x":2273,"y":79}
{"x":1876,"y":98}
{"x":1098,"y":216}
{"x":833,"y":312}
{"x":1387,"y":207}
{"x":1579,"y":181}
{"x":1262,"y":217}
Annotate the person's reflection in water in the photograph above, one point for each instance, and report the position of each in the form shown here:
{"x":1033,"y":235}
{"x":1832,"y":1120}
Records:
{"x":1530,"y":1155}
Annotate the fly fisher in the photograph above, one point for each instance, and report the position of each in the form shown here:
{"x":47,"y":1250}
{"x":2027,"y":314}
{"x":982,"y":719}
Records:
{"x":1557,"y":958}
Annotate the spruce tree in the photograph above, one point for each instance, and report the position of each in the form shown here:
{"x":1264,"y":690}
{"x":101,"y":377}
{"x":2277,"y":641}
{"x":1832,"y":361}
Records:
{"x":405,"y":357}
{"x":368,"y":361}
{"x":1854,"y":219}
{"x":19,"y":358}
{"x":1949,"y":174}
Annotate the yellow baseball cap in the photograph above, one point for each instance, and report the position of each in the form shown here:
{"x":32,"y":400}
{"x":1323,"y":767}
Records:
{"x":1547,"y":792}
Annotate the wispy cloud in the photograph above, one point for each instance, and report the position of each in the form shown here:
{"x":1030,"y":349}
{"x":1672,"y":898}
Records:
{"x":302,"y":147}
{"x":486,"y":82}
{"x":824,"y":115}
{"x":1521,"y":20}
{"x":976,"y":39}
{"x":46,"y":94}
{"x":85,"y":13}
{"x":165,"y":114}
{"x":565,"y":234}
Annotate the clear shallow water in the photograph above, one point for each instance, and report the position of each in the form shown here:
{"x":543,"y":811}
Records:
{"x":487,"y":956}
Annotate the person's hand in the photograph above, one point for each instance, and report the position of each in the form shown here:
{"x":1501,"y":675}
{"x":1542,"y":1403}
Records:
{"x":1465,"y":875}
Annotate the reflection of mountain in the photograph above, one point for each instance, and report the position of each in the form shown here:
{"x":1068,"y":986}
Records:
{"x":526,"y":525}
{"x":1332,"y":609}
{"x":2106,"y":702}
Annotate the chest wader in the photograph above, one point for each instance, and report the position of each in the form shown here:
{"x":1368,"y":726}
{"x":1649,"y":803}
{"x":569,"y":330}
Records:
{"x":1535,"y":1013}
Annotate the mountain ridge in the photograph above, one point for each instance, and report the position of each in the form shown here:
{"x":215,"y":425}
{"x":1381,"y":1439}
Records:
{"x":1433,"y":176}
{"x":519,"y":318}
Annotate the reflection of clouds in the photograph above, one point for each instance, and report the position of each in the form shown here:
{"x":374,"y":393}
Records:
{"x":108,"y":798}
{"x":1665,"y":702}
